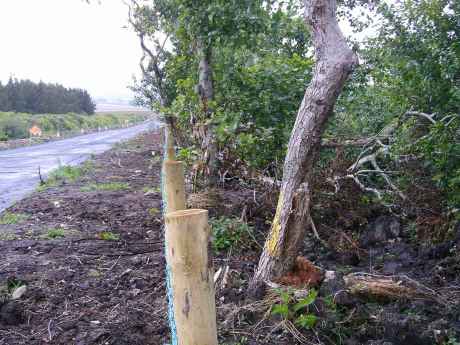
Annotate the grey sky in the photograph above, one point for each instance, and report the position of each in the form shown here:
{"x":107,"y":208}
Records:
{"x":72,"y":43}
{"x":69,"y":42}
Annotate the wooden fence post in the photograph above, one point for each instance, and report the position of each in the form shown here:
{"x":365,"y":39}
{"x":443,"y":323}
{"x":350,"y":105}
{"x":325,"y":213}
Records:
{"x":191,"y":277}
{"x":173,"y":186}
{"x":173,"y":190}
{"x":170,"y":152}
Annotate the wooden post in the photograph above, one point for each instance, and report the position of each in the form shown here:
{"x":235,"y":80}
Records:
{"x":173,"y":186}
{"x":191,"y":277}
{"x":170,"y":152}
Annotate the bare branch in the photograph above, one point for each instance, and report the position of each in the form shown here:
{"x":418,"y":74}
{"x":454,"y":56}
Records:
{"x":350,"y":142}
{"x":424,"y":115}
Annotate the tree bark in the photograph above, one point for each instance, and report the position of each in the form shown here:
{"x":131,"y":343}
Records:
{"x":334,"y":62}
{"x":205,"y":130}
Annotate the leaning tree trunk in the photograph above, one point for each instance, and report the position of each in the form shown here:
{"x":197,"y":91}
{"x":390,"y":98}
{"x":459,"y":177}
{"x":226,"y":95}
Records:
{"x":205,"y":129}
{"x":334,"y":62}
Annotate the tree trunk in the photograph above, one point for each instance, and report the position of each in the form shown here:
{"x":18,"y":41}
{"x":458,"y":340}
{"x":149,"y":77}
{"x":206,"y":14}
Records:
{"x":205,"y":130}
{"x":334,"y":62}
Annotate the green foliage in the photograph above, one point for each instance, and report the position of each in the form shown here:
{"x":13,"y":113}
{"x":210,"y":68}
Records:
{"x":296,"y":310}
{"x":411,"y":64}
{"x":439,"y":149}
{"x":230,"y":233}
{"x":261,"y":60}
{"x":258,"y":52}
{"x":419,"y":54}
{"x":9,"y":218}
{"x":187,"y":155}
{"x":108,"y":236}
{"x":25,"y":96}
{"x":307,"y":321}
{"x":16,"y":125}
{"x":55,"y":233}
{"x":452,"y":341}
{"x":260,"y":105}
{"x":13,"y":128}
{"x":13,"y":283}
{"x":65,"y":174}
{"x":111,"y":186}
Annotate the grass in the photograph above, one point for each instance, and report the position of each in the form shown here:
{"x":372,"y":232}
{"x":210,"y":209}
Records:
{"x":108,"y":236}
{"x":16,"y":125}
{"x":55,"y":233}
{"x":9,"y":218}
{"x":151,"y":190}
{"x":111,"y":186}
{"x":154,"y":211}
{"x":66,"y":174}
{"x":8,"y":236}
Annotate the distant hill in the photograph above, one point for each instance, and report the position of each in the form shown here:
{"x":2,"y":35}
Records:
{"x":103,"y":107}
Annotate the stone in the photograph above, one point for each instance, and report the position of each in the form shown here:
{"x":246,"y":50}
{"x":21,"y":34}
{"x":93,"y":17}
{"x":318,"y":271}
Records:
{"x":334,"y":285}
{"x":19,"y":292}
{"x":134,"y":292}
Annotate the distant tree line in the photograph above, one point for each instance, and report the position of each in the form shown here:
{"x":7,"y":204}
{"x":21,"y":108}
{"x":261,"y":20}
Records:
{"x":25,"y":96}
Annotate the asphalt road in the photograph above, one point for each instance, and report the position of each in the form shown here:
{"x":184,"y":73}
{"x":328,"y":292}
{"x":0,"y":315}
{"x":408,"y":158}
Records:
{"x":19,"y":167}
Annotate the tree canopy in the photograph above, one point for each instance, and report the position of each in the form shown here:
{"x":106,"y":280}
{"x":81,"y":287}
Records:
{"x":25,"y":96}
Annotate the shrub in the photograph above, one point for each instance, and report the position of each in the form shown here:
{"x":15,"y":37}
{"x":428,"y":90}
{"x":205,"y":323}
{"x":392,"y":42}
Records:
{"x":230,"y":233}
{"x":14,"y":128}
{"x":12,"y":218}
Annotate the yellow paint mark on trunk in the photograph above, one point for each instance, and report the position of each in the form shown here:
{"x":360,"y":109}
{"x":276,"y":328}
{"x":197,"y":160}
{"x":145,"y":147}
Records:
{"x":275,"y":231}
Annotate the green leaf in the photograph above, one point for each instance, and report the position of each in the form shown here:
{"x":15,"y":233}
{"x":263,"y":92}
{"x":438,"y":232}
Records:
{"x":285,"y":297}
{"x":306,"y":320}
{"x":304,"y":302}
{"x":281,"y":309}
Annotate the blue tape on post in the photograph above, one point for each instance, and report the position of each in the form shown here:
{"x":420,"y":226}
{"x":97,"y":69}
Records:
{"x":172,"y":320}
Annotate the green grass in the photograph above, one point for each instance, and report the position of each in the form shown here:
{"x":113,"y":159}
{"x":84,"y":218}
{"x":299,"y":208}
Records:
{"x":55,"y":233}
{"x":111,"y":186}
{"x":108,"y":236}
{"x":66,"y":174}
{"x":16,"y":125}
{"x":150,"y":190}
{"x":9,"y":218}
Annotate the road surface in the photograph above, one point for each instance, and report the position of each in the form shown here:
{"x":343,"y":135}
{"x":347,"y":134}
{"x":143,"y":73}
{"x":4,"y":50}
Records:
{"x":19,"y":167}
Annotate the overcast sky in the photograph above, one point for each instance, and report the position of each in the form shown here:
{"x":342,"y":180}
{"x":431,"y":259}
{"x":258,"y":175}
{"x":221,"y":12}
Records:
{"x":69,"y":42}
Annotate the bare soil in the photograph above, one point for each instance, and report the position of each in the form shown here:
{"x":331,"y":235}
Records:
{"x":82,"y":289}
{"x":88,"y":289}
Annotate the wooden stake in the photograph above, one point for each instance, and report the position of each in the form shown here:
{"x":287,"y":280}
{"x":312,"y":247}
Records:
{"x":191,"y":277}
{"x":173,"y":186}
{"x":170,"y":152}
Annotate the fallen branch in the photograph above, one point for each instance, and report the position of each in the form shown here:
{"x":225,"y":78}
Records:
{"x":331,"y":143}
{"x":429,"y":117}
{"x":389,"y":287}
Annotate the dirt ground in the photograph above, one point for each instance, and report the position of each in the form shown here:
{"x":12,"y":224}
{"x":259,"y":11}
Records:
{"x":101,"y":279}
{"x":82,"y":289}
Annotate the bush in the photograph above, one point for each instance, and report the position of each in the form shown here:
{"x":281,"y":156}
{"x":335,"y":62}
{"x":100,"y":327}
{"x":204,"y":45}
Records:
{"x":15,"y":128}
{"x":229,"y":233}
